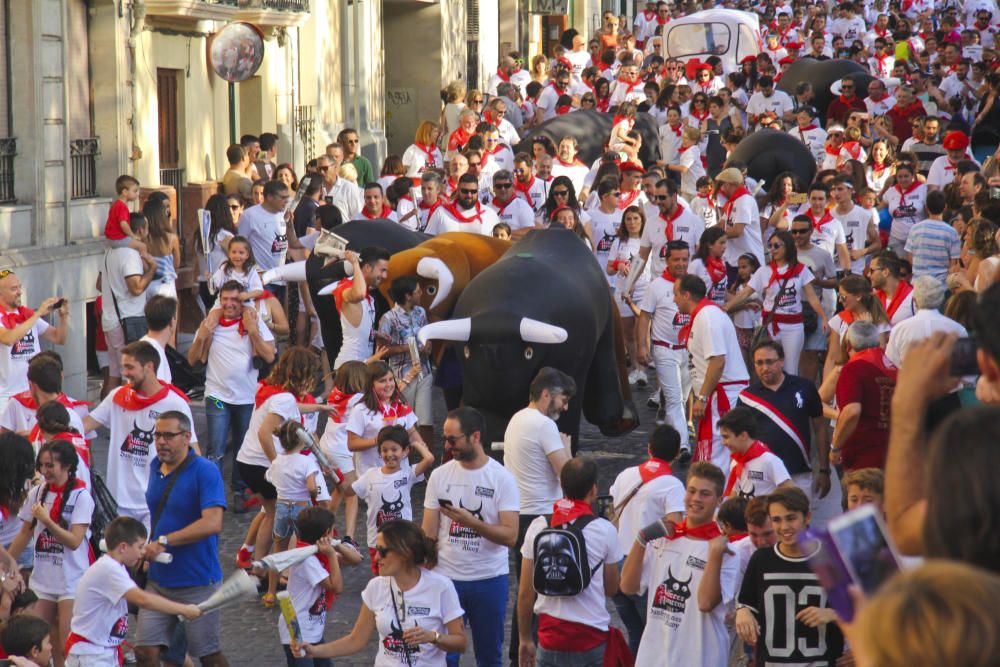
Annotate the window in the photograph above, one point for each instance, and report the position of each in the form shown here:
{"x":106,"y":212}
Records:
{"x":472,"y":43}
{"x":698,"y":39}
{"x":8,"y":144}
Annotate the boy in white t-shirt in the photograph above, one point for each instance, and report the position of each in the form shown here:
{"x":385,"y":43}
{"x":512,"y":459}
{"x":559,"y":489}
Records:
{"x":754,"y":470}
{"x":313,"y":583}
{"x":386,"y":489}
{"x":100,"y":612}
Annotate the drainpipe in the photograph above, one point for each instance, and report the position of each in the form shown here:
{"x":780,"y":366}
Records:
{"x":67,"y":156}
{"x":356,"y":50}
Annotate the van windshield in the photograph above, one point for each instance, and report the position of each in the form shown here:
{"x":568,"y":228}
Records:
{"x":694,"y":39}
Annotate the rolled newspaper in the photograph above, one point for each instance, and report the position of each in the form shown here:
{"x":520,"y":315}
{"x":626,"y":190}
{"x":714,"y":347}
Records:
{"x":237,"y":587}
{"x":309,"y":440}
{"x":164,"y":558}
{"x":635,"y":270}
{"x":285,"y":559}
{"x":411,"y":342}
{"x":291,"y":619}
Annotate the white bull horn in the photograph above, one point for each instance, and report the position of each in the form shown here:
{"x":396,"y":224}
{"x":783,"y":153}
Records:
{"x":294,"y":271}
{"x":432,"y":267}
{"x":533,"y":331}
{"x":454,"y":330}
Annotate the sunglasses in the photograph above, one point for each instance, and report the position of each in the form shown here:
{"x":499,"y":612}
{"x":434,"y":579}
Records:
{"x":502,"y":186}
{"x":475,"y":164}
{"x":479,"y":101}
{"x":775,"y":246}
{"x":382,"y":551}
{"x":662,"y":197}
{"x":323,"y":169}
{"x":560,"y":193}
{"x":452,"y":439}
{"x":804,"y":230}
{"x":469,"y":192}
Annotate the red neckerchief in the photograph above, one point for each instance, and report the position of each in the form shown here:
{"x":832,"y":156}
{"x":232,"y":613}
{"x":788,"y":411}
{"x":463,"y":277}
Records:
{"x":394,"y":410}
{"x":5,"y":512}
{"x":630,"y":86}
{"x":56,"y":512}
{"x":736,"y":537}
{"x":818,"y":224}
{"x":716,"y":269}
{"x":668,"y":277}
{"x":902,"y":290}
{"x":807,"y":128}
{"x":846,"y":101}
{"x":913,"y":186}
{"x":626,"y":198}
{"x":707,"y":532}
{"x":329,"y":596}
{"x":525,"y":190}
{"x":452,"y":208}
{"x":13,"y":318}
{"x":563,"y":110}
{"x":430,"y":208}
{"x":881,"y":33}
{"x":669,"y":230}
{"x":603,"y":104}
{"x":266,"y":391}
{"x":846,"y":316}
{"x":80,"y":443}
{"x":700,"y":117}
{"x":503,"y":77}
{"x":264,"y":296}
{"x":756,"y":450}
{"x":876,"y":357}
{"x":878,"y":166}
{"x":705,"y":87}
{"x":344,"y":285}
{"x":567,"y":509}
{"x":428,"y":151}
{"x":683,"y":148}
{"x":384,"y":213}
{"x":831,"y":149}
{"x":618,"y":119}
{"x":452,"y":184}
{"x":459,"y":138}
{"x":25,"y":399}
{"x":339,"y":401}
{"x":654,"y":468}
{"x":790,"y":272}
{"x":676,"y":129}
{"x":129,"y":399}
{"x":502,"y":207}
{"x":727,"y":208}
{"x":559,"y":91}
{"x":223,"y":322}
{"x":782,"y":36}
{"x":881,"y":67}
{"x":662,"y":21}
{"x":685,"y":331}
{"x":649,"y":15}
{"x":853,"y":148}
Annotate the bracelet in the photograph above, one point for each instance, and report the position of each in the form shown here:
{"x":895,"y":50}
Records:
{"x":437,"y":638}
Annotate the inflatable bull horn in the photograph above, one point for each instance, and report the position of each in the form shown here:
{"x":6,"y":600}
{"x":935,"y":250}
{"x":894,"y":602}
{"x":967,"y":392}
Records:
{"x":434,"y":268}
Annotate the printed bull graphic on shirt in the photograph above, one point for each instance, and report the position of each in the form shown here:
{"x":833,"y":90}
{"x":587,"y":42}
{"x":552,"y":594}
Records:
{"x":318,"y":607}
{"x":391,"y":509}
{"x":604,"y":243}
{"x":672,"y":595}
{"x":394,"y":644}
{"x":47,"y":544}
{"x":138,"y":443}
{"x":458,"y":530}
{"x":120,"y":628}
{"x":25,"y":348}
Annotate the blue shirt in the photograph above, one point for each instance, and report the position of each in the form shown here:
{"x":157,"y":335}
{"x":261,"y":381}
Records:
{"x":199,"y":487}
{"x":933,"y":244}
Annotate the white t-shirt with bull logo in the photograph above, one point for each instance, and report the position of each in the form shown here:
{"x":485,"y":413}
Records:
{"x":14,"y":361}
{"x":605,"y":230}
{"x":58,"y":568}
{"x":387,"y":496}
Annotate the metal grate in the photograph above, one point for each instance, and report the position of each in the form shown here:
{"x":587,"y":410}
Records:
{"x":472,"y":43}
{"x":8,"y":150}
{"x":83,"y":162}
{"x":175,"y":179}
{"x":283,"y":5}
{"x":305,"y":125}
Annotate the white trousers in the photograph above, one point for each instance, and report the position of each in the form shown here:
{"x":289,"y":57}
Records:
{"x":675,"y":383}
{"x":792,"y":338}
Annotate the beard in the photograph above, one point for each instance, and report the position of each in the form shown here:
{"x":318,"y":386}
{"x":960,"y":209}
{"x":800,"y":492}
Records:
{"x":463,"y":454}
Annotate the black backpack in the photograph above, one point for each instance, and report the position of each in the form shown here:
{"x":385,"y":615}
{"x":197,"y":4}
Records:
{"x":105,"y":511}
{"x":561,"y":565}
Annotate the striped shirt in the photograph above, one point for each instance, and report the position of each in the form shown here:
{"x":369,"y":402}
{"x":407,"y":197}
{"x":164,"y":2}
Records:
{"x":933,"y":245}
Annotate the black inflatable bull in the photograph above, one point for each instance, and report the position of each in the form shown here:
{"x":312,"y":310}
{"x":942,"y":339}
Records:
{"x":592,"y":129}
{"x":767,"y":153}
{"x":822,"y":74}
{"x":544,"y":303}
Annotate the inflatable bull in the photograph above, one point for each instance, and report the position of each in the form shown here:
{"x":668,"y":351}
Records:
{"x":592,"y":130}
{"x":546,"y":302}
{"x":768,"y":153}
{"x":822,"y":74}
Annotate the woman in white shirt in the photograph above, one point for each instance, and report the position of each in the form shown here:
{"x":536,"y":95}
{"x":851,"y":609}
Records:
{"x":782,"y":284}
{"x":225,"y":211}
{"x":415,"y":610}
{"x":860,"y":304}
{"x":423,"y":153}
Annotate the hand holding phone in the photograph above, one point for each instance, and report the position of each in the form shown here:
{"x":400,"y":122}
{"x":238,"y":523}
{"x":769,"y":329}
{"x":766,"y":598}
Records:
{"x":444,"y":502}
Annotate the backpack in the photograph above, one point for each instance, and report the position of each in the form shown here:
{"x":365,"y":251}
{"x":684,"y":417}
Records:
{"x":105,"y":511}
{"x":561,"y":566}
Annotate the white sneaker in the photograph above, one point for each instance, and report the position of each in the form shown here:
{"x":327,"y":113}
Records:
{"x":654,"y":399}
{"x":640,"y":379}
{"x":632,"y":375}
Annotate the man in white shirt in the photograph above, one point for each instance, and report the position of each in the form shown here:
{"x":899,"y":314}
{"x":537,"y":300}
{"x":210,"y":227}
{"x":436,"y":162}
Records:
{"x":810,"y":134}
{"x":672,"y":222}
{"x":510,"y":209}
{"x":44,"y":384}
{"x":356,"y":305}
{"x":161,"y":318}
{"x":769,"y":100}
{"x":533,"y":189}
{"x":228,"y":341}
{"x":895,"y":293}
{"x":945,"y":168}
{"x":466,"y":213}
{"x":266,"y":227}
{"x":578,"y":56}
{"x":828,"y":232}
{"x":860,"y":230}
{"x":338,"y":191}
{"x":375,"y":206}
{"x":879,"y":101}
{"x":643,"y":494}
{"x":471,"y":511}
{"x":534,"y":452}
{"x":560,"y":614}
{"x":928,"y":295}
{"x":740,"y":217}
{"x":130,"y":413}
{"x":567,"y":164}
{"x":21,"y":332}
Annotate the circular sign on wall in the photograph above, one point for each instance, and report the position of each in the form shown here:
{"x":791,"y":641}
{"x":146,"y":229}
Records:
{"x":237,"y":51}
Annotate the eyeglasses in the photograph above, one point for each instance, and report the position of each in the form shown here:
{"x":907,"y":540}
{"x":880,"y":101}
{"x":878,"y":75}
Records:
{"x":465,"y":191}
{"x":775,"y":246}
{"x":167,"y":435}
{"x":382,"y":551}
{"x":502,"y":186}
{"x":803,"y":230}
{"x":452,"y":439}
{"x":479,"y":101}
{"x":662,"y":197}
{"x":560,"y":193}
{"x":323,"y":169}
{"x":765,"y":362}
{"x":847,"y":87}
{"x":475,"y":164}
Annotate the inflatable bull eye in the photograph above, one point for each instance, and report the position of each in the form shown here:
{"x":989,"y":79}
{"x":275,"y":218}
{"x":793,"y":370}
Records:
{"x":431,"y":290}
{"x":466,"y":351}
{"x":528,"y":352}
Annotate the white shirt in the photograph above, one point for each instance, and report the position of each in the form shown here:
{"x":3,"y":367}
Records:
{"x":289,"y":473}
{"x":119,"y":264}
{"x":285,"y":406}
{"x":658,"y":301}
{"x":789,"y":302}
{"x":131,"y":444}
{"x":431,"y":604}
{"x":744,"y":212}
{"x":249,"y":280}
{"x":230,"y":375}
{"x":527,"y":443}
{"x":100,"y":612}
{"x":309,"y":599}
{"x":942,"y":172}
{"x":855,"y":224}
{"x":163,"y":373}
{"x":713,"y":334}
{"x":463,"y":554}
{"x":14,"y":358}
{"x":344,"y":195}
{"x":677,"y":633}
{"x":830,"y":233}
{"x":760,"y":476}
{"x":417,"y":160}
{"x":358,"y":341}
{"x":716,"y":291}
{"x":907,"y":308}
{"x":687,"y":227}
{"x":576,"y":172}
{"x":366,"y":424}
{"x":814,"y":138}
{"x":604,"y":227}
{"x":882,"y":106}
{"x":18,"y":418}
{"x":589,"y":606}
{"x":654,"y":500}
{"x":266,"y":232}
{"x":538,"y":190}
{"x":922,"y":325}
{"x":515,"y":213}
{"x":57,"y":568}
{"x":906,"y":209}
{"x":691,"y":158}
{"x":482,"y":219}
{"x":779,"y":103}
{"x":670,"y":142}
{"x":387,"y":496}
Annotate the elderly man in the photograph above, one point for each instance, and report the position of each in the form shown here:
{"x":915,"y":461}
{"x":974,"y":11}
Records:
{"x":340,"y":192}
{"x":879,"y":101}
{"x":864,"y":394}
{"x":928,"y":295}
{"x":841,"y":107}
{"x":740,"y":217}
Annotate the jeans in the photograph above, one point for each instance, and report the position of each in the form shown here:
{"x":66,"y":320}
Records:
{"x":221,"y":417}
{"x":292,"y":661}
{"x":523,"y":521}
{"x":485,"y":605}
{"x":632,"y":611}
{"x":592,"y":658}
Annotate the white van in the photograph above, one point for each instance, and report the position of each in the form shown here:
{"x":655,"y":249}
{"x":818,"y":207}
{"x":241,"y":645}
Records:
{"x":730,"y":34}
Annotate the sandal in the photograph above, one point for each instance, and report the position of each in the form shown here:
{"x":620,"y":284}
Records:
{"x":269,"y":600}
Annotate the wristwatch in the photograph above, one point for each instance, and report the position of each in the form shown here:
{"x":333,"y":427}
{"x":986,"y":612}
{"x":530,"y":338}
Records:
{"x":701,"y":398}
{"x":164,"y":542}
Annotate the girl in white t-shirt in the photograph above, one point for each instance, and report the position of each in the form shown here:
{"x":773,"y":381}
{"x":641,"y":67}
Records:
{"x":624,"y":122}
{"x":746,"y":315}
{"x":415,"y":610}
{"x":381,"y":405}
{"x":56,"y":519}
{"x":386,"y":490}
{"x":623,"y":255}
{"x":241,"y":267}
{"x":348,"y":388}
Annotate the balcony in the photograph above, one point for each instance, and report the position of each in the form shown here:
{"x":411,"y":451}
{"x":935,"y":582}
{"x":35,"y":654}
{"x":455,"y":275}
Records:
{"x":274,"y":13}
{"x":192,"y":10}
{"x":8,"y":150}
{"x":83,"y":163}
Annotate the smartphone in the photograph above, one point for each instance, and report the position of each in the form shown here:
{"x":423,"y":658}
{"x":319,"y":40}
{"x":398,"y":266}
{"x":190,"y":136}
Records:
{"x":58,"y":304}
{"x":444,"y":502}
{"x":963,"y":358}
{"x":864,"y":546}
{"x":604,"y":506}
{"x":829,"y":569}
{"x":995,"y":192}
{"x":797,"y":198}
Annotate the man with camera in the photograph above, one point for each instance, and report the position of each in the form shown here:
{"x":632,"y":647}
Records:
{"x":232,"y":341}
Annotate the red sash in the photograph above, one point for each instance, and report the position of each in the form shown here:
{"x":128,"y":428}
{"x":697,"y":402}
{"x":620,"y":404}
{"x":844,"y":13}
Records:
{"x":704,"y":450}
{"x":74,"y":638}
{"x":902,"y":290}
{"x":654,"y":468}
{"x":756,"y":450}
{"x":129,"y":399}
{"x":566,"y":510}
{"x":13,"y":318}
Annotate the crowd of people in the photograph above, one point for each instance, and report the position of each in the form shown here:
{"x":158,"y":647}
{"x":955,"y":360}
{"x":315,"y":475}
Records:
{"x":816,"y":346}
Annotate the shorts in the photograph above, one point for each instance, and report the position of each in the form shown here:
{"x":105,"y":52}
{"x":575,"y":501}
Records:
{"x":51,"y":597}
{"x":255,"y":478}
{"x":816,"y":341}
{"x":139,"y":514}
{"x":102,"y":358}
{"x":115,"y":338}
{"x":26,"y":561}
{"x":203,"y":633}
{"x":342,"y":460}
{"x":285,"y":513}
{"x":107,"y":659}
